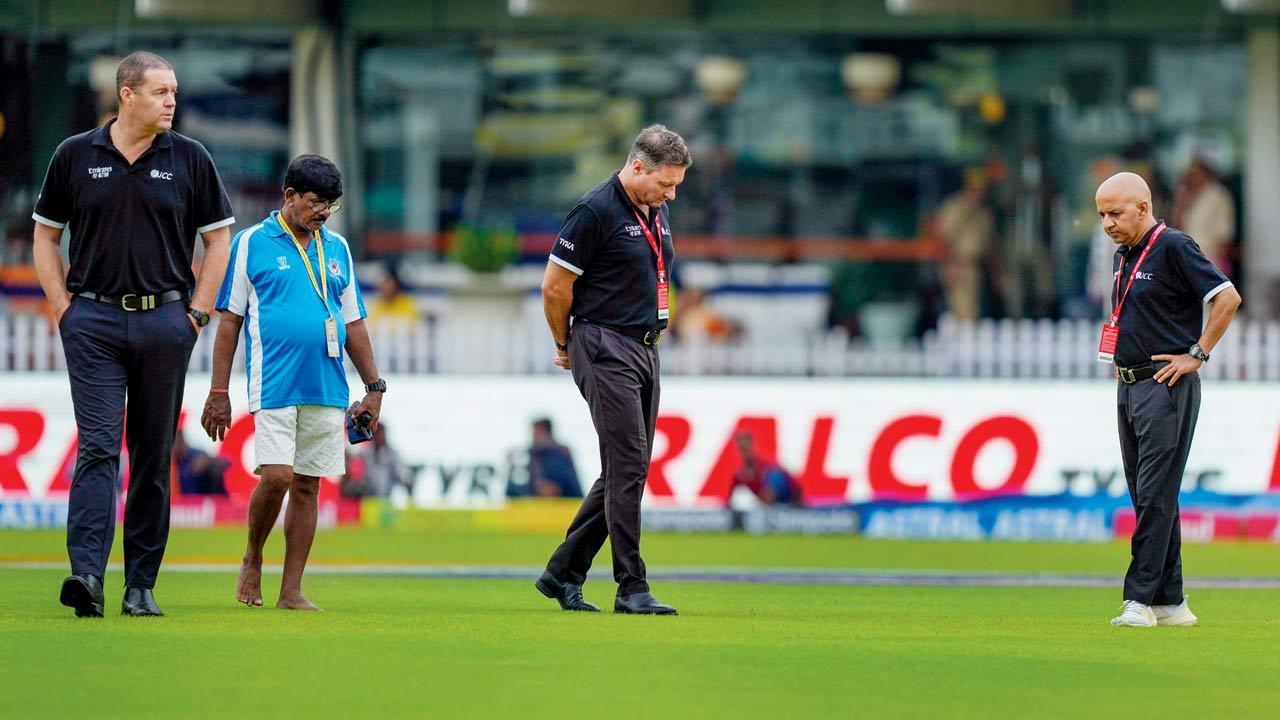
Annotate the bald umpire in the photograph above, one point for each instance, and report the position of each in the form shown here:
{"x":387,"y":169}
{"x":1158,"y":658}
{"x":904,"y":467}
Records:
{"x":1158,"y":339}
{"x":610,"y":270}
{"x":133,"y":195}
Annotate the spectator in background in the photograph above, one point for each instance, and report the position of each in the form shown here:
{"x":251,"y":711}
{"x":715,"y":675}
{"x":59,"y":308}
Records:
{"x":692,"y":318}
{"x":551,"y":469}
{"x":1204,"y":209}
{"x":763,"y":477}
{"x":376,"y":471}
{"x":198,"y":472}
{"x":966,"y":225}
{"x":352,"y":483}
{"x":393,"y":304}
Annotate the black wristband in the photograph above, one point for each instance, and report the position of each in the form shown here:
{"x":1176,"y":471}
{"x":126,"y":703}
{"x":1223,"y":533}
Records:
{"x":378,"y":385}
{"x":561,"y":348}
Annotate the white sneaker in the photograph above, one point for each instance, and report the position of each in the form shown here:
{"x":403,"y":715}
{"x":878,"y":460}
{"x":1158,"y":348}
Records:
{"x":1135,"y":614}
{"x":1174,"y":614}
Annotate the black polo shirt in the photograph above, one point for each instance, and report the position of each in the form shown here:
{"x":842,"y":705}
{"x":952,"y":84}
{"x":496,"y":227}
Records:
{"x":602,"y":242}
{"x":133,"y":227}
{"x":1164,"y":312}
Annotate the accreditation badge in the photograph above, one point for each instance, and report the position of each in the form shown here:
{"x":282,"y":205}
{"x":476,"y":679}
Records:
{"x":1107,"y":344}
{"x":331,"y":336}
{"x":1111,"y":330}
{"x":664,"y":302}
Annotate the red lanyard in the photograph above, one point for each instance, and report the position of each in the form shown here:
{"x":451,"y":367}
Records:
{"x":657,"y":248}
{"x":1133,"y":275}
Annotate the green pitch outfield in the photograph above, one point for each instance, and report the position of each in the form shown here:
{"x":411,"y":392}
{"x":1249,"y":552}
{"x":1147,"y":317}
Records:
{"x":769,"y":627}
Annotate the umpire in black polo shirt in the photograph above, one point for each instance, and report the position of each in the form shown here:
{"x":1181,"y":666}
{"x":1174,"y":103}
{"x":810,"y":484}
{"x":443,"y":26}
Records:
{"x":1158,"y":339}
{"x":134,"y":195}
{"x":609,"y":270}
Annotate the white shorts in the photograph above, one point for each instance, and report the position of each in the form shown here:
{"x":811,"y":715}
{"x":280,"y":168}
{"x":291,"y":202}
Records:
{"x":307,"y":437}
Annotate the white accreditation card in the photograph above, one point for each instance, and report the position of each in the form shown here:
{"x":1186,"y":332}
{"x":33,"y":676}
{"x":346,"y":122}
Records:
{"x":331,"y":336}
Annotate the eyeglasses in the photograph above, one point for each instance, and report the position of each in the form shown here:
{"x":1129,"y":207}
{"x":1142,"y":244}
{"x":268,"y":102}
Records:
{"x":318,"y":205}
{"x":322,"y":205}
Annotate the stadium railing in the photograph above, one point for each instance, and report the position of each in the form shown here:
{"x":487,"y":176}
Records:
{"x":1063,"y":349}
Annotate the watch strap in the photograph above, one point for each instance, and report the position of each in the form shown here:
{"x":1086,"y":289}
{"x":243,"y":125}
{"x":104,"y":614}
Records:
{"x":378,"y":385}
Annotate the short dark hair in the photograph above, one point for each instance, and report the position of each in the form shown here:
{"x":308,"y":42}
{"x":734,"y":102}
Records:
{"x":544,"y":423}
{"x":132,"y":70}
{"x":314,"y":173}
{"x":656,"y":146}
{"x":393,"y":274}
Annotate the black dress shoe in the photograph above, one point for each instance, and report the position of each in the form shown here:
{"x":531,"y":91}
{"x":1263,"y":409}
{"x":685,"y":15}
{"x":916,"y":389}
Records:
{"x":139,"y":602}
{"x":84,"y":593}
{"x":643,"y":603}
{"x":567,"y":594}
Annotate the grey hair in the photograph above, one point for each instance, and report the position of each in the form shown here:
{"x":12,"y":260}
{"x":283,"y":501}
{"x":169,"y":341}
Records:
{"x":656,"y":146}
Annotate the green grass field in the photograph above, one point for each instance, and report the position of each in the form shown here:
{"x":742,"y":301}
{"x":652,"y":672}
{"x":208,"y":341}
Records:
{"x":414,"y":647}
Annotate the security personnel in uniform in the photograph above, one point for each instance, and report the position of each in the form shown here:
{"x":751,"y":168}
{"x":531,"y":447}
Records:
{"x":610,"y":270}
{"x":1158,"y":339}
{"x":134,"y":194}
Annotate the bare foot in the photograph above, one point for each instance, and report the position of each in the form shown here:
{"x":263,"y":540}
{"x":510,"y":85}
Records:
{"x":249,"y":586}
{"x":296,"y":602}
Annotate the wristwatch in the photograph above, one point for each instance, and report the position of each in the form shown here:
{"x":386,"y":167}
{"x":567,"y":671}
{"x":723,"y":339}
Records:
{"x":560,"y":347}
{"x":201,"y":318}
{"x":1198,"y":353}
{"x":378,"y":385}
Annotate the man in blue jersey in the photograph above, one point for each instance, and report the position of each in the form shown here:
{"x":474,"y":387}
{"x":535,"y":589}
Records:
{"x":291,"y":286}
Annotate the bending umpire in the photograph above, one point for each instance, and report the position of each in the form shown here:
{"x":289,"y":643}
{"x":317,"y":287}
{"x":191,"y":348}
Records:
{"x":610,"y":270}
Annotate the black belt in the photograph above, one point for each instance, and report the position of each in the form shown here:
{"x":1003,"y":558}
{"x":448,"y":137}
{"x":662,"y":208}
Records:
{"x":133,"y":302}
{"x":1131,"y":375}
{"x":648,"y":337}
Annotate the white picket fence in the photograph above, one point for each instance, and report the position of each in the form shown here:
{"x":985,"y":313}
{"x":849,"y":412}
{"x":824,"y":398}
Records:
{"x":1250,"y":351}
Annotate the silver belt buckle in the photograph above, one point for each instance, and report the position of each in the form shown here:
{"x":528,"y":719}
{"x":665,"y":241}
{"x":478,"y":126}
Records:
{"x":1127,"y":376}
{"x":140,"y":302}
{"x":651,"y":337}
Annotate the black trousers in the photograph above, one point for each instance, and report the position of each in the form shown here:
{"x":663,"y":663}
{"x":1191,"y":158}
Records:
{"x":122,"y":361}
{"x":1157,"y":423}
{"x":618,"y":377}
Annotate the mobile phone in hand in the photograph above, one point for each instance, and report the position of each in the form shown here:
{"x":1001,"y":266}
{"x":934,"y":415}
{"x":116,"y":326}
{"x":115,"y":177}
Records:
{"x":358,"y":429}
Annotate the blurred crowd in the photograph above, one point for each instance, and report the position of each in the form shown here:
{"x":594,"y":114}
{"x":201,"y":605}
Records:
{"x":1006,"y":243}
{"x":376,"y":470}
{"x":998,"y":255}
